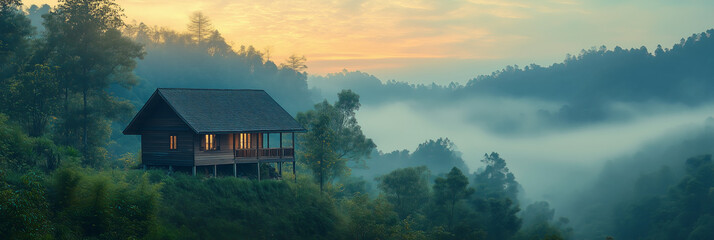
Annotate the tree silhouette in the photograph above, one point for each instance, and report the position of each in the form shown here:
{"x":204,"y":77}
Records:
{"x":295,"y":62}
{"x":451,"y":190}
{"x":84,"y":41}
{"x":496,"y":180}
{"x":333,"y":137}
{"x":199,"y":26}
{"x":406,"y":188}
{"x":9,"y":4}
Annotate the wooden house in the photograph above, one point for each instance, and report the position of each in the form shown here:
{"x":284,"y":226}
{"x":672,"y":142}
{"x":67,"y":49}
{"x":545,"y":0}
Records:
{"x":214,"y":127}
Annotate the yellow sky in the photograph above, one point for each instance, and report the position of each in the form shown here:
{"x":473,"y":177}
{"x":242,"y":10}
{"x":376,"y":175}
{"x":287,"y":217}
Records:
{"x":395,"y":36}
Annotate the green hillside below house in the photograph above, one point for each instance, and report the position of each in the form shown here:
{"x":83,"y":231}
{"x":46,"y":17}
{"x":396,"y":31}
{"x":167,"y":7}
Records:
{"x":208,"y":129}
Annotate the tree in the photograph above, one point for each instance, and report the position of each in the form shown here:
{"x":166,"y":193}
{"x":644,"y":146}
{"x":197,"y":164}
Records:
{"x":537,"y":212}
{"x":36,"y":95}
{"x":333,"y":138}
{"x":15,"y":32}
{"x":439,"y":155}
{"x":83,"y":40}
{"x":495,"y":198}
{"x":351,"y":143}
{"x":537,"y":223}
{"x":406,"y":188}
{"x":199,"y":26}
{"x":497,"y":216}
{"x":318,"y":152}
{"x":496,"y":181}
{"x":451,"y":190}
{"x":140,"y":32}
{"x":267,"y":52}
{"x":295,"y":62}
{"x":15,"y":147}
{"x":685,"y":210}
{"x":217,"y":45}
{"x":8,"y":4}
{"x":369,"y":219}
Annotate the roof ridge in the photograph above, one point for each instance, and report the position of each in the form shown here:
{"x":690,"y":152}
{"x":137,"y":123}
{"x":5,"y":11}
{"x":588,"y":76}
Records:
{"x":212,"y":89}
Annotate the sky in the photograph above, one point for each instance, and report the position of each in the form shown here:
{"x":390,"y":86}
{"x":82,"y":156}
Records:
{"x":432,"y":41}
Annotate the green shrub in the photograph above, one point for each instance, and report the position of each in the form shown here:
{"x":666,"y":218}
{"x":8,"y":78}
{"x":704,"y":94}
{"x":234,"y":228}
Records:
{"x":107,"y":204}
{"x":24,"y":212}
{"x":230,"y":208}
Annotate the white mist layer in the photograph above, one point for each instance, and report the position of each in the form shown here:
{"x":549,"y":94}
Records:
{"x":541,"y":162}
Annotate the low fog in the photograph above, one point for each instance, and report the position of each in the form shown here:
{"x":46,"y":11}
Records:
{"x":548,"y":163}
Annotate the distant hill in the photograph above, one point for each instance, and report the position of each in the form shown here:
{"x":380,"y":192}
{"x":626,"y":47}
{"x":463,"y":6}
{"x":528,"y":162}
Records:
{"x":597,"y":85}
{"x":590,"y":82}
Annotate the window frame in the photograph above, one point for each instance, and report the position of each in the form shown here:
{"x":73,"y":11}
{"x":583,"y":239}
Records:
{"x":210,"y":142}
{"x":173,"y":142}
{"x":243,"y":141}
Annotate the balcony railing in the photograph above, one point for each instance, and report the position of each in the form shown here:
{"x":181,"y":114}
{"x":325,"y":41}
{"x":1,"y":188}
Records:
{"x":265,"y":153}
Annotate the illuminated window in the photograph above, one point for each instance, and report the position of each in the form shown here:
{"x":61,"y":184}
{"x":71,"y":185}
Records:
{"x":244,"y":141}
{"x":172,"y":142}
{"x":210,"y":142}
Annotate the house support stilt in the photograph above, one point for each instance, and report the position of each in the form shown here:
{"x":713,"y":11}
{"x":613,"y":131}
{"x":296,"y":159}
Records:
{"x":280,"y":169}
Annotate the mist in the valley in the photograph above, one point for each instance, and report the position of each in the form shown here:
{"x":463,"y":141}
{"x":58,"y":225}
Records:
{"x":539,"y":160}
{"x":555,"y":166}
{"x":592,"y":135}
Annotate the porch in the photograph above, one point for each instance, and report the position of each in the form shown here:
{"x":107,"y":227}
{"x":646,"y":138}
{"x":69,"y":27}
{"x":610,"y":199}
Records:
{"x":264,"y":155}
{"x":244,"y":148}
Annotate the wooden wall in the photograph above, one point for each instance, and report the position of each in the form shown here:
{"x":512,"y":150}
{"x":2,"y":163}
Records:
{"x":155,"y":131}
{"x":155,"y":149}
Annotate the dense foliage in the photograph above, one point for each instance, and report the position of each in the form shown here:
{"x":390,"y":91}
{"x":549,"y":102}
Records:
{"x":229,"y":208}
{"x":55,"y":84}
{"x":333,"y":137}
{"x":684,"y":211}
{"x":627,"y":191}
{"x":438,"y":156}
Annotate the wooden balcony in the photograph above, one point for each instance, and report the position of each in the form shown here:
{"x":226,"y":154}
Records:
{"x":264,"y":155}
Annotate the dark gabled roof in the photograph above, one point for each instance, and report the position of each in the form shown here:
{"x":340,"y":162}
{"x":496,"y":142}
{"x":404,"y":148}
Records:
{"x":223,"y":111}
